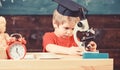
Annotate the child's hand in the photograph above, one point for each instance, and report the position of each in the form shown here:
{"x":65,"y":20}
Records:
{"x":92,"y":46}
{"x":75,"y":50}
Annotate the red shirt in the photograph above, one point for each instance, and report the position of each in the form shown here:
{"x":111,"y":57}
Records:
{"x":51,"y":38}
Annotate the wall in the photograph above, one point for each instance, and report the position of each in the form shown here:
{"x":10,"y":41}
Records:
{"x":31,"y":27}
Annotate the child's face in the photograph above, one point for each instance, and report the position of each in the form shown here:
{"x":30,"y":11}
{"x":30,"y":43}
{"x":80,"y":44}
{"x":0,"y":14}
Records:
{"x":2,"y":24}
{"x":65,"y":30}
{"x":2,"y":29}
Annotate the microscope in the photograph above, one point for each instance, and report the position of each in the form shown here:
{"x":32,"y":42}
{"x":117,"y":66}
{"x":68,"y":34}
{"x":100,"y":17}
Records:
{"x":88,"y":34}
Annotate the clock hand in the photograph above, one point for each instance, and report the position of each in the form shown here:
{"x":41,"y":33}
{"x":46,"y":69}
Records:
{"x":17,"y":51}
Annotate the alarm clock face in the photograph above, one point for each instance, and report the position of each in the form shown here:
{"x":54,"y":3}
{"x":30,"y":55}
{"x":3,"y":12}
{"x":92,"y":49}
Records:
{"x":16,"y":51}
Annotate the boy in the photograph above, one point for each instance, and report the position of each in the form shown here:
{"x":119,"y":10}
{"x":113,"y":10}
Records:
{"x":4,"y":37}
{"x":64,"y":19}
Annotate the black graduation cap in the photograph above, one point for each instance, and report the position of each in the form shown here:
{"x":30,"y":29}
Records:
{"x":70,"y":8}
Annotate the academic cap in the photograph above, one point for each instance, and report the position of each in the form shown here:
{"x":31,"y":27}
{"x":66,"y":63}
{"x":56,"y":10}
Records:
{"x":70,"y":8}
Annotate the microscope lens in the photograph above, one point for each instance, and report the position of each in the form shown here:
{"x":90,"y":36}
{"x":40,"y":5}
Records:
{"x":79,"y":24}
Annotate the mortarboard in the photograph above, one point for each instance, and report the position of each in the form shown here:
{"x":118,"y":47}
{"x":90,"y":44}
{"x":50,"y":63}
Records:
{"x":70,"y":8}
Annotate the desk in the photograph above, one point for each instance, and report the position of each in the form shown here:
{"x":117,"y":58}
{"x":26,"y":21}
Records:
{"x":66,"y":62}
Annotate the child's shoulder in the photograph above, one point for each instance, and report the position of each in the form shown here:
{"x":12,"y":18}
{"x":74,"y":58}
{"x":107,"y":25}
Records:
{"x":6,"y":34}
{"x":50,"y":34}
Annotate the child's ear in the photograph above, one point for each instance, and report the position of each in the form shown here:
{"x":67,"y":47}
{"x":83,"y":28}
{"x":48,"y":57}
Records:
{"x":54,"y":24}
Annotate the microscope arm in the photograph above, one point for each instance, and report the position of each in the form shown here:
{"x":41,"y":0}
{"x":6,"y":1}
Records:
{"x":81,"y":26}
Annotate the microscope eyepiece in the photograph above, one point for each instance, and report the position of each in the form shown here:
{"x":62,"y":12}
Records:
{"x":79,"y":24}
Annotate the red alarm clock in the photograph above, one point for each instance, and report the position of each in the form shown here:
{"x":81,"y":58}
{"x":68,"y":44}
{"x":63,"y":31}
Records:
{"x":16,"y":48}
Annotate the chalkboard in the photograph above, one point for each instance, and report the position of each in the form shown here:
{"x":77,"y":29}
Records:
{"x":44,"y":7}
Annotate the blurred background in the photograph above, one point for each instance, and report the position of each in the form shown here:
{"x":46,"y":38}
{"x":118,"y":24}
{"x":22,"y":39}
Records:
{"x":32,"y":18}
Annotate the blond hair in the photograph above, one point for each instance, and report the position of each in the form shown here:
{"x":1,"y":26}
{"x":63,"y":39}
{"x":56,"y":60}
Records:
{"x":60,"y":19}
{"x":2,"y":20}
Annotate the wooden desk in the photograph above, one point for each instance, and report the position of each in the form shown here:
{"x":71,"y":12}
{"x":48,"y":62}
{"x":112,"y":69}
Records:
{"x":66,"y":62}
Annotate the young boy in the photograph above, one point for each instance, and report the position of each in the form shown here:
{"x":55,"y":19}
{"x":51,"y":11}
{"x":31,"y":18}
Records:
{"x":4,"y":37}
{"x":61,"y":40}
